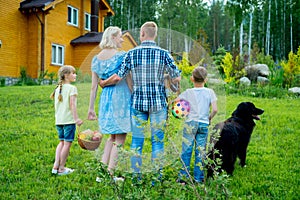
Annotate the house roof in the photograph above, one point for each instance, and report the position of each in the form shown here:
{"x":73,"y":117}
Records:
{"x":38,"y":5}
{"x":34,"y":4}
{"x":96,"y":37}
{"x":91,"y":37}
{"x":104,"y":5}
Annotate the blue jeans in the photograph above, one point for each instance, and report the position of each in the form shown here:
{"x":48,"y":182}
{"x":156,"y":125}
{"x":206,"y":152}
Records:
{"x":66,"y":132}
{"x":139,"y":121}
{"x":194,"y":135}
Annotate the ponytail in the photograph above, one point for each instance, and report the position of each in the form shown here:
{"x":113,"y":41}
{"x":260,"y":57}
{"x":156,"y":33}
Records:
{"x":60,"y":98}
{"x":53,"y":93}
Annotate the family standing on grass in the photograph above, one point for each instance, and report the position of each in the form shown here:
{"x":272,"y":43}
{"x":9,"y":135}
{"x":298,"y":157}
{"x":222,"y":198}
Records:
{"x":134,"y":93}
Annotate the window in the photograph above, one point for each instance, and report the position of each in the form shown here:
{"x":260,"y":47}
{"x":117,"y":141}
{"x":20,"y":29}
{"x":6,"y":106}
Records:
{"x":87,"y":18}
{"x":72,"y":16}
{"x":58,"y":54}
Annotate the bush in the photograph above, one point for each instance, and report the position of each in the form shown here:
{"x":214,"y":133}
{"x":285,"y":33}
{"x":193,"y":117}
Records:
{"x":82,"y":78}
{"x":185,"y":66}
{"x":24,"y":79}
{"x":291,"y":68}
{"x":265,"y":59}
{"x":218,"y":59}
{"x":276,"y":77}
{"x":51,"y":76}
{"x":233,"y":69}
{"x":2,"y":82}
{"x":42,"y":76}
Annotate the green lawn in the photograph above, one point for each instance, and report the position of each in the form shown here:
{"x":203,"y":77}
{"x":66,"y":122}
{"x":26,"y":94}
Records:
{"x":28,"y":142}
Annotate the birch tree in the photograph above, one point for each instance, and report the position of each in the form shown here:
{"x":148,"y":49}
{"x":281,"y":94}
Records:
{"x":250,"y":33}
{"x":291,"y":23}
{"x":268,"y":30}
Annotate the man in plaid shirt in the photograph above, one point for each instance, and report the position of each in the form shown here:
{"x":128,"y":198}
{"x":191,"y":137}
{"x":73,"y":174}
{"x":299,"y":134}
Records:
{"x":147,"y":63}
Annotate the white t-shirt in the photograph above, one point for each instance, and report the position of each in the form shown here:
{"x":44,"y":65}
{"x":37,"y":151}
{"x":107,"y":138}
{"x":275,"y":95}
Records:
{"x":200,"y":100}
{"x":63,"y":114}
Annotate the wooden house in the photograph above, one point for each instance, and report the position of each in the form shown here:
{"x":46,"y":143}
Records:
{"x":43,"y":35}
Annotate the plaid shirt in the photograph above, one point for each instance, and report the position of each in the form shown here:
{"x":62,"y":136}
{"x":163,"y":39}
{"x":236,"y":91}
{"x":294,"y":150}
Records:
{"x":148,"y":63}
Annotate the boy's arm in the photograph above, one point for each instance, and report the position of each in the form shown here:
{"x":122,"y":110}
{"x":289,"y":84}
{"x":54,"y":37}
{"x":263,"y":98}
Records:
{"x":74,"y":110}
{"x":214,"y":110}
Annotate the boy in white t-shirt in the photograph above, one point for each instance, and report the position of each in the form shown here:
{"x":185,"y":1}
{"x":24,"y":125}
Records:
{"x":203,"y":107}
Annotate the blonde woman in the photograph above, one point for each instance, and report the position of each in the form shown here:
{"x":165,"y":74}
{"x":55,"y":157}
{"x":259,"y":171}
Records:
{"x":66,"y":117}
{"x":114,"y":104}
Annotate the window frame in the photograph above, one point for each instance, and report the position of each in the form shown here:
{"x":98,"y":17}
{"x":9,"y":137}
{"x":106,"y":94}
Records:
{"x":55,"y":58}
{"x":87,"y":16}
{"x":71,"y":18}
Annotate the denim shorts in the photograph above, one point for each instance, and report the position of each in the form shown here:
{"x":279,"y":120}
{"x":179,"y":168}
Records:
{"x":66,"y":132}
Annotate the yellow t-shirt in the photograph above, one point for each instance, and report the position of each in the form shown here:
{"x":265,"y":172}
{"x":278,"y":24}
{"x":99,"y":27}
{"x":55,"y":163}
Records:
{"x":63,"y":114}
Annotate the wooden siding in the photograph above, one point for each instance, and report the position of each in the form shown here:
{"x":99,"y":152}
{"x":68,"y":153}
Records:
{"x":33,"y":46}
{"x":13,"y":51}
{"x":84,"y":53}
{"x":21,"y":36}
{"x":58,"y":31}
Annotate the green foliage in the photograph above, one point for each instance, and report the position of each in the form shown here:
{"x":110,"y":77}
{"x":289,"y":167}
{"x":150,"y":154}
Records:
{"x":265,"y":59}
{"x":218,"y":59}
{"x":81,"y":77}
{"x":42,"y":76}
{"x":24,"y":78}
{"x":2,"y":82}
{"x":227,"y":66}
{"x":254,"y":52}
{"x":276,"y":77}
{"x":291,"y":68}
{"x":257,"y":90}
{"x":29,"y":140}
{"x":185,"y":66}
{"x":202,"y":39}
{"x":232,"y":68}
{"x":51,"y":76}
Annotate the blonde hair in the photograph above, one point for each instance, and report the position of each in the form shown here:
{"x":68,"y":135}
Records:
{"x":199,"y":74}
{"x":150,"y":29}
{"x":66,"y":69}
{"x":107,"y":42}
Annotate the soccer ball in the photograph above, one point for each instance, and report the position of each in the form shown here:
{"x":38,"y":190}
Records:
{"x":181,"y":108}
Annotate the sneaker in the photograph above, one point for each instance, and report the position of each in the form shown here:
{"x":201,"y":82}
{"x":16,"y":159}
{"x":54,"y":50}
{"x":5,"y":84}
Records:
{"x":117,"y":179}
{"x":66,"y":171}
{"x":54,"y":171}
{"x":98,"y":179}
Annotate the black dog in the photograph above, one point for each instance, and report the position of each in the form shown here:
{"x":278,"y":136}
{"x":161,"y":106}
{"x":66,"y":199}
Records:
{"x":234,"y":138}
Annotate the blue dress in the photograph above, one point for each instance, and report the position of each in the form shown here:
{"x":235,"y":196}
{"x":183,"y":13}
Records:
{"x":114,"y":104}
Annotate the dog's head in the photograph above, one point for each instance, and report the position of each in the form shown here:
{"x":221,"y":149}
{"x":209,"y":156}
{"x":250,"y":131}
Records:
{"x":247,"y":110}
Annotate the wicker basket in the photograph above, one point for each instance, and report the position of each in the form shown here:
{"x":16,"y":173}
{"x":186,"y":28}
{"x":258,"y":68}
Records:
{"x":89,"y":144}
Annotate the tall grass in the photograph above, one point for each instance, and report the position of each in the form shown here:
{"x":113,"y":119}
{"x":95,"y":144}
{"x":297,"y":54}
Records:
{"x":28,"y":142}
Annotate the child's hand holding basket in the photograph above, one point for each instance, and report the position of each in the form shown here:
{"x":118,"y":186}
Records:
{"x":89,"y":139}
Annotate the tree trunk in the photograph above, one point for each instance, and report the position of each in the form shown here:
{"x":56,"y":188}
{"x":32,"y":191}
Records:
{"x":284,"y":28}
{"x":128,"y":18}
{"x":241,"y":37}
{"x":249,"y":39}
{"x":233,"y":35}
{"x":268,"y":30}
{"x":291,"y":19}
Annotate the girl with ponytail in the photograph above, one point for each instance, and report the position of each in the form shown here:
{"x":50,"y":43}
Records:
{"x":66,"y":117}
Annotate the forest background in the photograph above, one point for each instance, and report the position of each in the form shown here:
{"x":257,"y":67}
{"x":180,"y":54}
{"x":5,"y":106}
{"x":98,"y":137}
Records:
{"x":271,"y":27}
